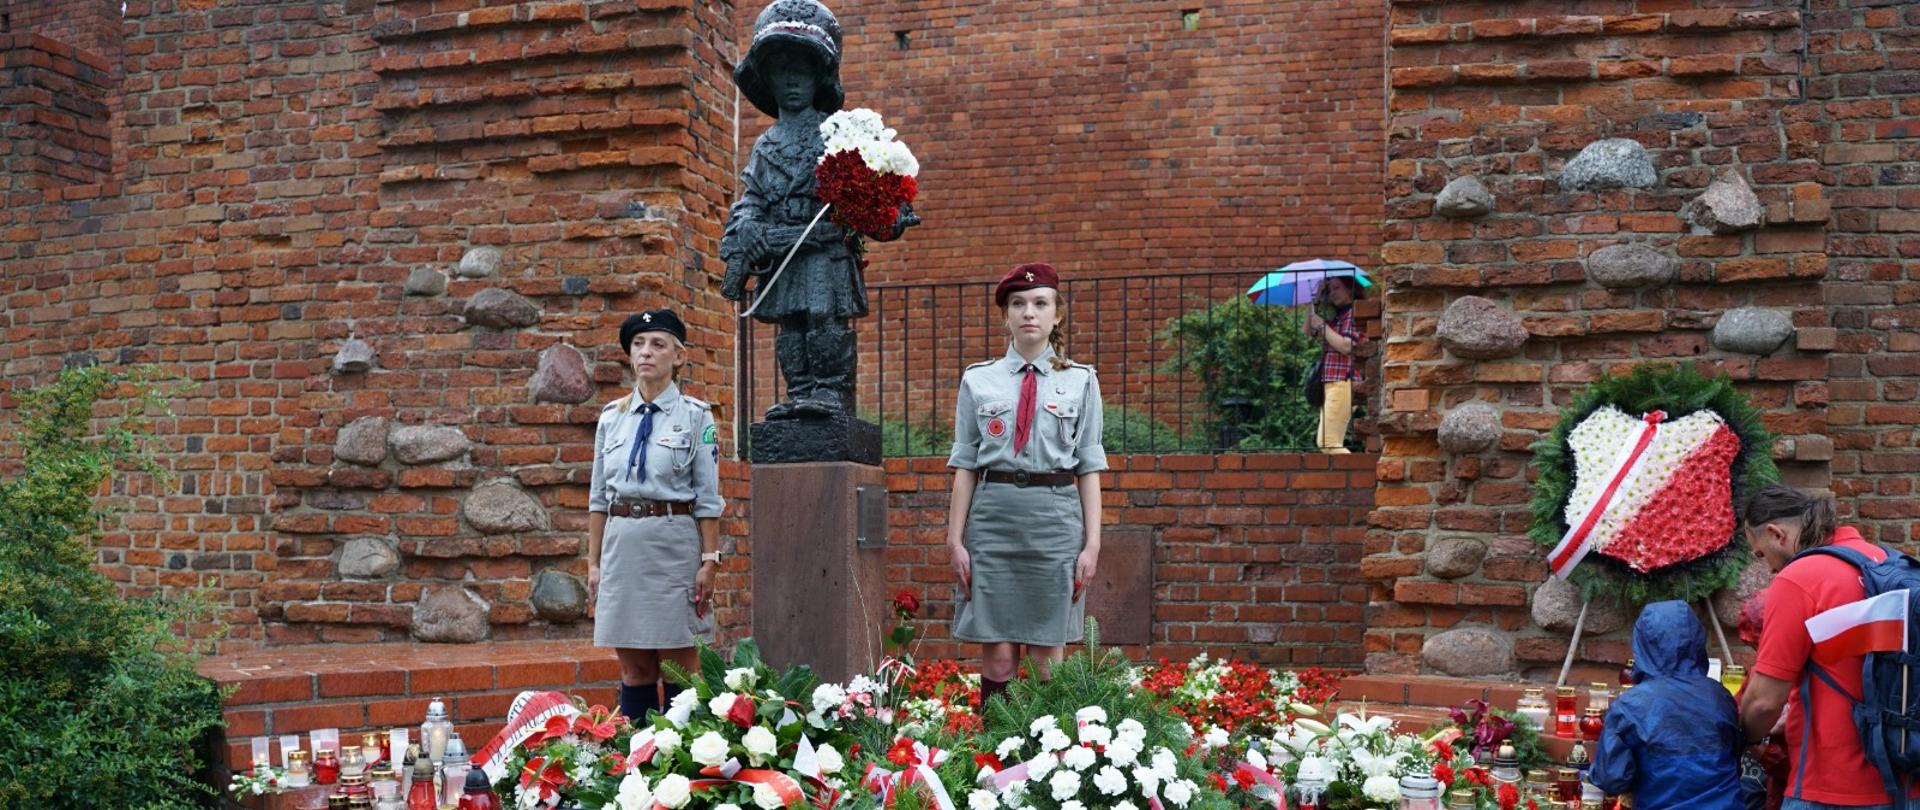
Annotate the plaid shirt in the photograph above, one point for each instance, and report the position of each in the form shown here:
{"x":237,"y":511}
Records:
{"x":1341,"y":366}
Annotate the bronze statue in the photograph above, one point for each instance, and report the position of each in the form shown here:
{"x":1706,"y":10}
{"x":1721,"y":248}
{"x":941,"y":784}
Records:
{"x":792,"y":72}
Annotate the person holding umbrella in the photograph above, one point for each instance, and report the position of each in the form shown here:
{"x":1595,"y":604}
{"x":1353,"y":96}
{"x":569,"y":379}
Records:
{"x":1338,"y":371}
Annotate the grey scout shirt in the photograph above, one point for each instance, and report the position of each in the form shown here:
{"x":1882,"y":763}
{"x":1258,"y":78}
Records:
{"x":1066,"y":418}
{"x":682,"y":458}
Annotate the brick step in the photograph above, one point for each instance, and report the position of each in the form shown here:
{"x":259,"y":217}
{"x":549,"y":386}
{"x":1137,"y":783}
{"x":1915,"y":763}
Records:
{"x":377,"y":687}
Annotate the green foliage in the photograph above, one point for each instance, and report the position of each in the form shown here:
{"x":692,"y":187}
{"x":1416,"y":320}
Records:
{"x":1126,"y":430}
{"x":1678,"y":390}
{"x":1254,"y":352}
{"x":102,"y":707}
{"x":927,"y":434}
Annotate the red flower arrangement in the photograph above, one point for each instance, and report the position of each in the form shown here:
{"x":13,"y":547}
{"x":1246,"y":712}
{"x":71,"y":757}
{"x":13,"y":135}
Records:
{"x":864,"y":201}
{"x":1236,"y":695}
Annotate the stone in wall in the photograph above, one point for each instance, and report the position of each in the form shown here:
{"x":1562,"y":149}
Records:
{"x":1609,"y":163}
{"x":429,"y":444}
{"x":426,"y":281}
{"x":368,"y":558}
{"x":1468,"y":651}
{"x":1463,"y":198}
{"x":1752,"y":330}
{"x":479,"y":262}
{"x":559,"y":596}
{"x":1727,"y":206}
{"x":363,"y":441}
{"x":1455,"y":557}
{"x":1556,"y":606}
{"x":1629,"y":266}
{"x":355,"y":356}
{"x":1471,"y":427}
{"x":502,"y":508}
{"x":1478,"y":329}
{"x":562,"y":376}
{"x":499,"y":309}
{"x":450,"y":614}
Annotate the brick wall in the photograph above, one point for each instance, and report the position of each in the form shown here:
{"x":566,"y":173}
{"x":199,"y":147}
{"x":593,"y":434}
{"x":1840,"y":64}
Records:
{"x":87,"y":25}
{"x":1251,"y":555}
{"x":1509,"y":93}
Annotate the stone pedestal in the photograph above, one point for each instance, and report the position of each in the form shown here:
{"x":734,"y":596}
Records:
{"x":818,"y":540}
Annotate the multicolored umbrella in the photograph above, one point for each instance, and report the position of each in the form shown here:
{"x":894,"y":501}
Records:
{"x":1296,"y":283}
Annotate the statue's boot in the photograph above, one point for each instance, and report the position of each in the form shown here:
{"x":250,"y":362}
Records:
{"x":831,"y":355}
{"x":790,"y":349}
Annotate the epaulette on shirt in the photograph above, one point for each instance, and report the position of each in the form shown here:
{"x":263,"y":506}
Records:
{"x":982,"y":363}
{"x":698,"y":404}
{"x":617,"y":404}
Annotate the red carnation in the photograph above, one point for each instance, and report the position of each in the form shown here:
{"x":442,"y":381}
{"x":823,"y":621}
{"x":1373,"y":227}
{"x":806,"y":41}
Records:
{"x":1508,"y":796}
{"x":1219,"y":782}
{"x":1243,"y":778}
{"x":987,"y":761}
{"x":1443,"y":773}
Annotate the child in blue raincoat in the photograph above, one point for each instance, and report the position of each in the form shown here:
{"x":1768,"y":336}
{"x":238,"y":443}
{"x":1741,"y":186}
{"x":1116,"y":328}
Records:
{"x":1673,"y":740}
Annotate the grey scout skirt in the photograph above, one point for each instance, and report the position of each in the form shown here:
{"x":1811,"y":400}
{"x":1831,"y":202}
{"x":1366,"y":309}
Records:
{"x":647,"y":567}
{"x":1023,"y":543}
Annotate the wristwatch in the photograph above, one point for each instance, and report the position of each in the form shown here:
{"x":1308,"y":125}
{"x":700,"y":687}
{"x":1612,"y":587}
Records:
{"x":711,"y":556}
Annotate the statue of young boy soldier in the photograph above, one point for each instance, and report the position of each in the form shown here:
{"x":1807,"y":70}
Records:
{"x":792,"y":72}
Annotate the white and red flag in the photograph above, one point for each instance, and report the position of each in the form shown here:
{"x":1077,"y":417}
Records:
{"x":1876,"y":624}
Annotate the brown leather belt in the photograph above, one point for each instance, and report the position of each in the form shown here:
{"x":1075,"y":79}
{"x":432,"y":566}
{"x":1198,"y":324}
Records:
{"x":646,"y":508}
{"x":1022,"y":478}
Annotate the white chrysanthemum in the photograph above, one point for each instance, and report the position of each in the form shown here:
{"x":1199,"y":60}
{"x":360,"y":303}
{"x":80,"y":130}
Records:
{"x":982,"y":800}
{"x":828,"y":696}
{"x":830,"y":760}
{"x":709,"y":749}
{"x":1008,"y":746}
{"x":760,"y":744}
{"x":1064,"y":785}
{"x":862,"y":684}
{"x":739,"y":678}
{"x":1041,"y":724}
{"x":673,"y":792}
{"x":1180,"y":792}
{"x":721,"y":704}
{"x":1054,"y":739}
{"x":766,"y":798}
{"x":1381,"y":788}
{"x":1078,"y":758}
{"x":1110,"y":781}
{"x":1091,"y":714}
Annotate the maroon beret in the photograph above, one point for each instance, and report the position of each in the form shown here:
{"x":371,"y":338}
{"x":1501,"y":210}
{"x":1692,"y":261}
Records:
{"x":1028,"y":276}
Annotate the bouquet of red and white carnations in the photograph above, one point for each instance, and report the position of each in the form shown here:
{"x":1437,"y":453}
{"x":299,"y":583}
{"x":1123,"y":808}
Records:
{"x":736,"y":740}
{"x":865,"y":177}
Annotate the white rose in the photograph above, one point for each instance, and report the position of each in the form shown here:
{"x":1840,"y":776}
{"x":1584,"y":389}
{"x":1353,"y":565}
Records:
{"x":830,"y":761}
{"x":640,"y":739}
{"x":1098,"y":735}
{"x":634,"y":794}
{"x":1064,"y":785}
{"x":667,"y":740}
{"x":720,"y":704}
{"x":739,"y":678}
{"x":1216,"y":737}
{"x":673,"y":792}
{"x":1382,"y":788}
{"x":1054,"y":739}
{"x":765,"y":798}
{"x":1041,"y":724}
{"x":982,"y":800}
{"x":709,"y":749}
{"x":760,"y":743}
{"x":728,"y":806}
{"x":1008,"y":746}
{"x":1110,"y":781}
{"x":827,"y":697}
{"x":1091,"y":714}
{"x":681,"y":709}
{"x":1180,"y":792}
{"x":1130,"y":729}
{"x":1078,"y":757}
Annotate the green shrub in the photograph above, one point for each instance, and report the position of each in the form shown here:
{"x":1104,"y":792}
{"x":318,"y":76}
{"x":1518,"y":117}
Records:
{"x":99,"y":704}
{"x":1126,"y":430}
{"x":927,"y":434}
{"x":1252,"y":354}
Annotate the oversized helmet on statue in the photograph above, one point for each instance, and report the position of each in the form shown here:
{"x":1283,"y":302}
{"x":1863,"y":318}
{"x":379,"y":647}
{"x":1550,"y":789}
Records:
{"x":802,"y":25}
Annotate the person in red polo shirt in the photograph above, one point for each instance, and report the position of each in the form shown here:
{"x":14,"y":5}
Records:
{"x":1830,"y":769}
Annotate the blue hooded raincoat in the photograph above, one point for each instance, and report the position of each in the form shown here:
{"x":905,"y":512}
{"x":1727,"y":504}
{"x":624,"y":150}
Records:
{"x":1672,"y":740}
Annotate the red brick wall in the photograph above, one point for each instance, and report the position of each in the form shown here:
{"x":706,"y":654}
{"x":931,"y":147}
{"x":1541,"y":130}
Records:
{"x":1510,"y":92}
{"x":87,"y":25}
{"x":1250,"y":555}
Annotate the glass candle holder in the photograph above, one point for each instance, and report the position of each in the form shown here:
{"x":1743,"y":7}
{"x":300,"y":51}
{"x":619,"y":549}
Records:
{"x":326,"y":767}
{"x":1592,"y":724}
{"x":1566,"y":713}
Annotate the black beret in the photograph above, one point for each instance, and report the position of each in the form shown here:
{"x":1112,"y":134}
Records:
{"x":659,"y":320}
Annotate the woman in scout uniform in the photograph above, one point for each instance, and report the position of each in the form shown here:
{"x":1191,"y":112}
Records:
{"x":653,"y":528}
{"x":1024,"y":524}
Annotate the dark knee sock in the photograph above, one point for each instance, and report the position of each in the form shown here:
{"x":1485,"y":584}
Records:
{"x":989,"y":688}
{"x":671,"y":690}
{"x":636,"y":701}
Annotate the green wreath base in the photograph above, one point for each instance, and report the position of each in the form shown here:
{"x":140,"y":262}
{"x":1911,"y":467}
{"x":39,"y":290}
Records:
{"x":1679,"y":390}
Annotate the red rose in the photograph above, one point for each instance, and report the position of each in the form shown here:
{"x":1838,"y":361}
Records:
{"x":907,"y":604}
{"x":741,"y":713}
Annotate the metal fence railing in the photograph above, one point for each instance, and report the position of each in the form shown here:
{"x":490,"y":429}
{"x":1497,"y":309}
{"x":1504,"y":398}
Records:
{"x":1186,"y":362}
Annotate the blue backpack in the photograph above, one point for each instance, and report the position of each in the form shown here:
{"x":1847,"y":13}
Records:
{"x":1887,"y":712}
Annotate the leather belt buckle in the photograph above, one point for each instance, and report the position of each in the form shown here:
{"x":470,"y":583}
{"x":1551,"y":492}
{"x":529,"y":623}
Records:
{"x":1021,"y":478}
